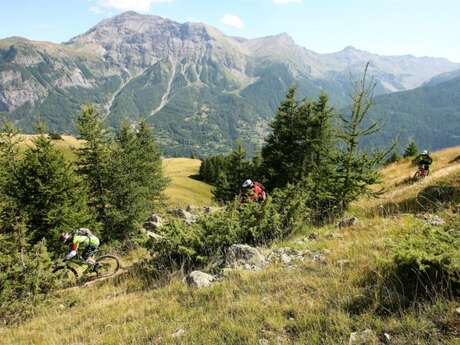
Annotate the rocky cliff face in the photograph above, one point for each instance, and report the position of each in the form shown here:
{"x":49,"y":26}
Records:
{"x":199,"y":88}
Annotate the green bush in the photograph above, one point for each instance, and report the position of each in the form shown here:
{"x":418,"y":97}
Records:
{"x":205,"y":242}
{"x":25,"y":278}
{"x":55,"y":136}
{"x":424,"y":264}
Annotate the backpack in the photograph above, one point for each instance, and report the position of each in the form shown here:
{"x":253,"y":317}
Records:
{"x":84,"y":232}
{"x":261,"y":186}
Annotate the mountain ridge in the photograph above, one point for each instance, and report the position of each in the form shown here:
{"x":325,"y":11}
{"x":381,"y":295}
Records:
{"x":201,"y":89}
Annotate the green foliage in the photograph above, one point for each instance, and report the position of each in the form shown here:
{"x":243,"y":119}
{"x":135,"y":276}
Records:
{"x":234,"y":172}
{"x":423,"y":264}
{"x":393,"y":158}
{"x":55,"y":136}
{"x":227,"y":173}
{"x":300,"y":142}
{"x":136,"y":181}
{"x":93,"y":160}
{"x":213,"y":167}
{"x":206,"y":241}
{"x":306,"y":150}
{"x":411,"y":149}
{"x":25,"y":274}
{"x":123,"y":174}
{"x":42,"y":186}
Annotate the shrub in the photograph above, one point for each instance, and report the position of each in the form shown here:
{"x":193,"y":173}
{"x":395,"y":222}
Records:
{"x":206,"y":241}
{"x":25,"y":278}
{"x":424,"y":264}
{"x":55,"y":136}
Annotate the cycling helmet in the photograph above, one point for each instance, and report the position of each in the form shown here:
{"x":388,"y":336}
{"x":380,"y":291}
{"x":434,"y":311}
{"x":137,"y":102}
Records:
{"x":247,"y":184}
{"x":425,"y":152}
{"x":65,"y":237}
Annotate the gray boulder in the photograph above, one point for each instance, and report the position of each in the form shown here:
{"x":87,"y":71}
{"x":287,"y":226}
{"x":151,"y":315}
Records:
{"x":153,"y":223}
{"x":287,"y":255}
{"x":366,"y":337}
{"x":242,"y":256}
{"x":436,"y":221}
{"x":348,"y":222}
{"x":199,"y":279}
{"x":178,"y":333}
{"x":188,"y":217}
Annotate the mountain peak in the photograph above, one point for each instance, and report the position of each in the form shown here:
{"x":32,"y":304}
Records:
{"x":350,"y":49}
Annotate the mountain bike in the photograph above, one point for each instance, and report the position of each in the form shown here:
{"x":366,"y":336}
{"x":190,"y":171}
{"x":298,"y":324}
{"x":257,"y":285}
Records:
{"x":421,"y":173}
{"x":68,"y":271}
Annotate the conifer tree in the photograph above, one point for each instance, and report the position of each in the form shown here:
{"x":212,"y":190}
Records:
{"x":411,"y":149}
{"x":93,"y":162}
{"x":237,"y":170}
{"x":394,"y":157}
{"x":46,"y":190}
{"x":137,"y":181}
{"x":357,"y":169}
{"x":300,"y":142}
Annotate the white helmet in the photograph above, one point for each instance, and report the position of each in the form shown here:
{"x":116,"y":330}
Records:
{"x":425,"y":152}
{"x":248,"y":184}
{"x":65,"y":237}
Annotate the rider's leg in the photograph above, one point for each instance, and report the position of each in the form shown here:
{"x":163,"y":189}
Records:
{"x":88,"y":253}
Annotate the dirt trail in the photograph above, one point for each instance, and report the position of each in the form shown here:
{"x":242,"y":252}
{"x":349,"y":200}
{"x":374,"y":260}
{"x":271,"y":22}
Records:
{"x":435,"y":176}
{"x":398,"y":193}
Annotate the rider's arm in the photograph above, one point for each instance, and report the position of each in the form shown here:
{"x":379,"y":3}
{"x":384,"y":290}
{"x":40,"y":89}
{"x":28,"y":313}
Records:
{"x":73,"y":251}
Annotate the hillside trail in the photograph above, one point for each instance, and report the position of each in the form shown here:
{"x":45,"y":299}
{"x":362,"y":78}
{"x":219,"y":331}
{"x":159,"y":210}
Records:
{"x":399,"y":192}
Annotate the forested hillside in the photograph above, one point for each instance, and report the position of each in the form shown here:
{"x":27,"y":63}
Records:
{"x":429,"y":114}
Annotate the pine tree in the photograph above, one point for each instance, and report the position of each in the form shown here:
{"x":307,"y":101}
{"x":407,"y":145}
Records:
{"x":47,"y":191}
{"x":136,"y":183}
{"x":357,"y":170}
{"x":237,"y":170}
{"x":279,"y":154}
{"x":394,"y":157}
{"x":411,"y":149}
{"x":93,"y":159}
{"x":301,"y":140}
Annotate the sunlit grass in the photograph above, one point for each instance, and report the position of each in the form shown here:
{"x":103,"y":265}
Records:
{"x":312,"y":303}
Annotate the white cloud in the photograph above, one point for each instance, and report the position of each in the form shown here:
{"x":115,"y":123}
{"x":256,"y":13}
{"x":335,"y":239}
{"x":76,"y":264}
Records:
{"x":123,"y":5}
{"x":284,"y":2}
{"x":232,"y":20}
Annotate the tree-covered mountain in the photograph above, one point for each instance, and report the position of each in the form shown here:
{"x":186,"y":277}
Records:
{"x":429,"y":114}
{"x":200,"y":89}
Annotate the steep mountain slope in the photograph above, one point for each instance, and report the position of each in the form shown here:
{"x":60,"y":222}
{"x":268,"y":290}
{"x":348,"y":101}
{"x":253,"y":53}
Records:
{"x":199,"y":88}
{"x":430,"y":114}
{"x":308,"y":301}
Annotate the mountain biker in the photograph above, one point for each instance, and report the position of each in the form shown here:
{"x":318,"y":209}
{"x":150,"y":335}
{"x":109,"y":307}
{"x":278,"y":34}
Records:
{"x":82,"y":238}
{"x":252,"y":191}
{"x":424,"y":161}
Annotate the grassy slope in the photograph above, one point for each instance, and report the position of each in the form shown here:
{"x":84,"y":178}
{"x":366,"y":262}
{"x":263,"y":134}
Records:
{"x":184,"y":190}
{"x":310,"y":304}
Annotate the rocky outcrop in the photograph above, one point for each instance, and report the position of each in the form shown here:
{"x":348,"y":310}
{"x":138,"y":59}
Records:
{"x":242,"y":256}
{"x":153,"y":223}
{"x":366,"y":337}
{"x":348,"y":222}
{"x":187,"y":216}
{"x":199,"y":279}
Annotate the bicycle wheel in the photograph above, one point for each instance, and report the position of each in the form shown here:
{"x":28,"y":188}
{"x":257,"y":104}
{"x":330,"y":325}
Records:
{"x":107,"y":265}
{"x":418,"y":175}
{"x":66,"y":275}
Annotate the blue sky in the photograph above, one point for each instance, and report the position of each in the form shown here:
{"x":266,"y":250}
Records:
{"x":418,"y":27}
